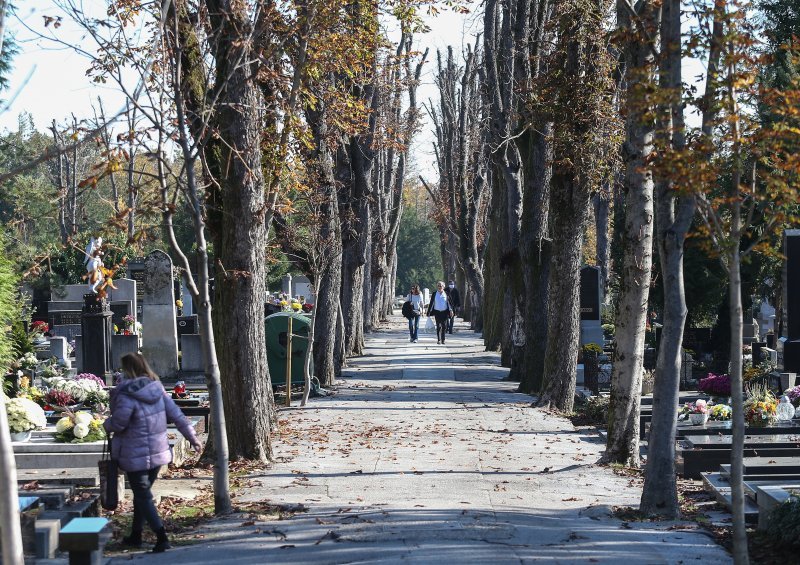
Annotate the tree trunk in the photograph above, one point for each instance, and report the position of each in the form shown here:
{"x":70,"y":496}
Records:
{"x":536,"y":257}
{"x":740,"y":556}
{"x":601,"y":203}
{"x":626,"y":379}
{"x":9,"y":503}
{"x":569,"y":205}
{"x":240,"y":243}
{"x":673,"y":218}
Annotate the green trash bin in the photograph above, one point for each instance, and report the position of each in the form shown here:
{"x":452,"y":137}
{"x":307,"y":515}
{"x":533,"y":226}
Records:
{"x":276,"y":326}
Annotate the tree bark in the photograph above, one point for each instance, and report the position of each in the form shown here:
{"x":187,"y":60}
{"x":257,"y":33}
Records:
{"x":674,"y":215}
{"x":240,"y":240}
{"x":569,"y":204}
{"x":626,"y":379}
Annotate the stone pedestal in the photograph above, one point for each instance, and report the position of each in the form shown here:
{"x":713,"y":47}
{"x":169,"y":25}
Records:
{"x":96,"y":332}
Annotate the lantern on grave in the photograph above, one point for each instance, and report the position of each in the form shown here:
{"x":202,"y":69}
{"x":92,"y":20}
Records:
{"x":785,"y":409}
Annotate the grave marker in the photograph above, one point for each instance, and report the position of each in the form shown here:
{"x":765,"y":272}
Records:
{"x":590,"y":300}
{"x":160,"y":335}
{"x":96,"y":332}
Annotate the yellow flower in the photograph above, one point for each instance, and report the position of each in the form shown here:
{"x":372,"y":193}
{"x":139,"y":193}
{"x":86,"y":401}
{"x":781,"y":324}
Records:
{"x":179,"y":303}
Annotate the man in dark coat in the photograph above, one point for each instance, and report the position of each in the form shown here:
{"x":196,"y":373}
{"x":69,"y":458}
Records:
{"x":455,"y":302}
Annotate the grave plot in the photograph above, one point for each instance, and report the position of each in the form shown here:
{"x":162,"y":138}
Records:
{"x":704,"y":453}
{"x":767,"y":482}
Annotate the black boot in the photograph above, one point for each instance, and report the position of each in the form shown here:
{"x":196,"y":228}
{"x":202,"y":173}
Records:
{"x":162,"y":542}
{"x":133,"y":540}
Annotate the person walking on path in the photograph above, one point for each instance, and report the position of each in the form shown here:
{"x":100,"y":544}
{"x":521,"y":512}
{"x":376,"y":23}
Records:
{"x":441,"y":309}
{"x":455,"y":302}
{"x":415,"y":298}
{"x":140,"y":411}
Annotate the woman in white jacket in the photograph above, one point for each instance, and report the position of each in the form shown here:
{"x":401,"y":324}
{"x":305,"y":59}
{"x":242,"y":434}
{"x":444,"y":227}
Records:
{"x":415,"y":298}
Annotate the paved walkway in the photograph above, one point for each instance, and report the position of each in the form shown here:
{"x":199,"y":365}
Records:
{"x":426,"y":455}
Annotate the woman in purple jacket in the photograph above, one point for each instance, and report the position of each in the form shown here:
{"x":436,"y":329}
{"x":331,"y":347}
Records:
{"x":140,"y":411}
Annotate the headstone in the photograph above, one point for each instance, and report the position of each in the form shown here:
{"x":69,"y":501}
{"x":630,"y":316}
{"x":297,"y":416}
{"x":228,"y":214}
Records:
{"x":301,"y":286}
{"x":766,"y":318}
{"x":96,"y":332}
{"x":122,"y":344}
{"x":136,"y":272}
{"x":59,"y":349}
{"x":188,"y":301}
{"x":65,"y":317}
{"x":758,"y":352}
{"x":126,"y":291}
{"x":286,"y":284}
{"x":790,"y":349}
{"x":590,"y":301}
{"x":160,"y":334}
{"x":68,"y":331}
{"x":191,"y":354}
{"x":749,"y":332}
{"x":119,"y":310}
{"x":187,"y":325}
{"x":68,"y":293}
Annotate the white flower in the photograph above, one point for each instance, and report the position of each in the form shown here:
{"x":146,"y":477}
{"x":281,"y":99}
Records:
{"x":80,"y":431}
{"x":24,"y":415}
{"x":83,"y":418}
{"x":64,"y":424}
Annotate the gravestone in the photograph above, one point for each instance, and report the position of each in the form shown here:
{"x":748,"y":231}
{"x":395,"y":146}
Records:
{"x":122,"y":344}
{"x":191,"y":354}
{"x":590,"y":300}
{"x":60,"y":350}
{"x":301,"y":286}
{"x":286,"y":284}
{"x":187,"y":325}
{"x":126,"y":292}
{"x":96,"y":332}
{"x":160,"y":334}
{"x":789,"y":344}
{"x":188,"y":301}
{"x":136,"y":273}
{"x":66,"y":324}
{"x":749,"y":332}
{"x":119,"y":310}
{"x":758,"y":352}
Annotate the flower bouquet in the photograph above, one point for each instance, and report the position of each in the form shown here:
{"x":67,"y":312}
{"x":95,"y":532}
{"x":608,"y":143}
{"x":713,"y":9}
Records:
{"x":24,"y":415}
{"x":716,"y":385}
{"x":761,"y":406}
{"x":38,"y":329}
{"x":697,"y":412}
{"x":85,"y":388}
{"x":80,"y":427}
{"x":28,"y":361}
{"x":720,"y":412}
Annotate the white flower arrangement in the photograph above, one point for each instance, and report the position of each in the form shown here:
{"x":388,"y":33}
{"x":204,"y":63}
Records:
{"x":80,"y":427}
{"x":81,"y":390}
{"x":24,"y":415}
{"x":28,"y":361}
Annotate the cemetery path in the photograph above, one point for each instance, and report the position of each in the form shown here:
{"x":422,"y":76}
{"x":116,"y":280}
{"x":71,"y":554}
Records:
{"x":425,"y":454}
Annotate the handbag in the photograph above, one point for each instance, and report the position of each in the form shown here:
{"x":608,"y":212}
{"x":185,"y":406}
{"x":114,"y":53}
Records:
{"x":112,"y":483}
{"x":429,"y":325}
{"x":408,"y":310}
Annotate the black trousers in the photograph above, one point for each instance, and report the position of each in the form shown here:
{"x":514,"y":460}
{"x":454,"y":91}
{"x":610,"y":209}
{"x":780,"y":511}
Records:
{"x":144,"y":508}
{"x":442,"y":318}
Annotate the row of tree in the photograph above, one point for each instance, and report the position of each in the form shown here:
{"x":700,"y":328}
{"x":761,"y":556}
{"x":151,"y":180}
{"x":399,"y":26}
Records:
{"x":565,"y":107}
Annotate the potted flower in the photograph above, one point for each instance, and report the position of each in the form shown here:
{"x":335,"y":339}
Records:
{"x":720,"y":412}
{"x":80,"y":427}
{"x":130,"y":324}
{"x":24,"y":416}
{"x":698,"y":412}
{"x":761,"y":406}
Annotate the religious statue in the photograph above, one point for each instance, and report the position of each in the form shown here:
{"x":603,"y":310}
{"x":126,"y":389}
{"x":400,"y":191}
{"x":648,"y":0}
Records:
{"x":98,"y":275}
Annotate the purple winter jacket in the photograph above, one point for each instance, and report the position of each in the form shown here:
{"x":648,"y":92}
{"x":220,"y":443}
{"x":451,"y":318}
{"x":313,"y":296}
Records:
{"x":140,"y":411}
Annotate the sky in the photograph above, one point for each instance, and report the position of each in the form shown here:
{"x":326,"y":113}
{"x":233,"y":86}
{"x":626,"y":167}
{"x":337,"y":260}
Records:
{"x":49,"y":80}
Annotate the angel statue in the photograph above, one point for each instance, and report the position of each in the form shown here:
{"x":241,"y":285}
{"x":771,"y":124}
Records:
{"x":98,"y":275}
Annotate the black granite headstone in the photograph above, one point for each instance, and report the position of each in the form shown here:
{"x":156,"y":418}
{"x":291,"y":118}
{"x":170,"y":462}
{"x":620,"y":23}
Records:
{"x":791,"y":302}
{"x":96,"y":331}
{"x":590,"y":293}
{"x":65,"y":318}
{"x":757,"y":347}
{"x":187,"y":325}
{"x":118,"y":311}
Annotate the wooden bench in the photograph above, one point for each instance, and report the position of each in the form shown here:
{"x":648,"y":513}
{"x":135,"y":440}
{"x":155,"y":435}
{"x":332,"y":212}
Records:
{"x":84,"y":539}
